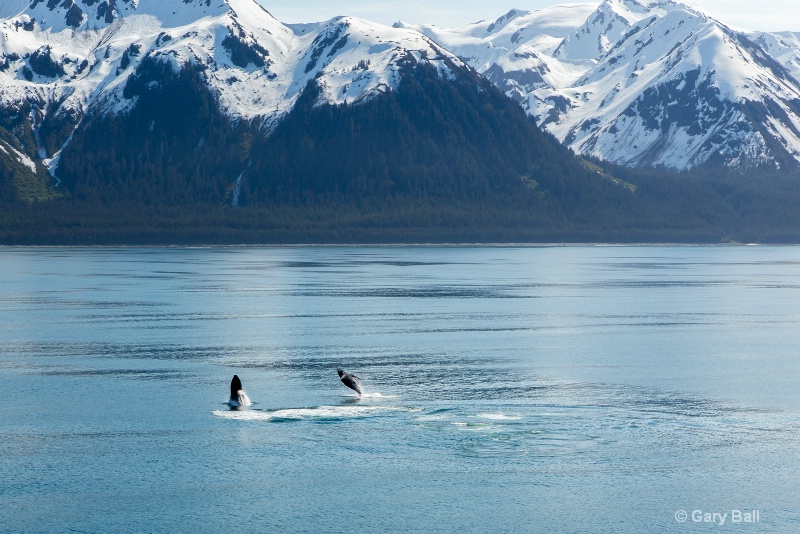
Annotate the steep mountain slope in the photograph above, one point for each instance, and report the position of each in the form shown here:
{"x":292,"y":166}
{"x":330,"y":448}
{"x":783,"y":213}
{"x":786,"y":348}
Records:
{"x":783,"y":46}
{"x":516,"y":50}
{"x":645,"y":83}
{"x":61,"y":62}
{"x":429,"y":140}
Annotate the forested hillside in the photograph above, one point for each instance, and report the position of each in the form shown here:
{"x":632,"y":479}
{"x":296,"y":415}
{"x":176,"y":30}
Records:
{"x":434,"y":161}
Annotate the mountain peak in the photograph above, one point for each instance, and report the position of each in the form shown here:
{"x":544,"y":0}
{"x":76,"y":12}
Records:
{"x":69,"y":58}
{"x":56,"y":16}
{"x":644,"y":82}
{"x":502,"y":21}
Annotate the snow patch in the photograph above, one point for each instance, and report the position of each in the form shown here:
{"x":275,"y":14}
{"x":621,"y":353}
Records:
{"x":25,"y":160}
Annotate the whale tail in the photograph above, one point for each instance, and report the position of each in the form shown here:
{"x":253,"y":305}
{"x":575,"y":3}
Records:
{"x":238,"y":397}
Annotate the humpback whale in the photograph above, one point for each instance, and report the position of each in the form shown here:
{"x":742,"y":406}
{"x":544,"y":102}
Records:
{"x":351,"y":381}
{"x":238,"y":396}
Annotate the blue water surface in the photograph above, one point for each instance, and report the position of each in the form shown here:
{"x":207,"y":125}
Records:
{"x":509,"y":389}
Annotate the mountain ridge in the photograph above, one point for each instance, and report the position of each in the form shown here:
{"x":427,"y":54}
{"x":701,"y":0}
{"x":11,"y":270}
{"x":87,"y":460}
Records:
{"x":607,"y":87}
{"x":60,"y":65}
{"x":617,"y":80}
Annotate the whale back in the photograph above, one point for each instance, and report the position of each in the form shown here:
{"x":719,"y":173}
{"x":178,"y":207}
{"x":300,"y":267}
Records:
{"x":238,"y":396}
{"x":236,"y":385}
{"x":351,"y":381}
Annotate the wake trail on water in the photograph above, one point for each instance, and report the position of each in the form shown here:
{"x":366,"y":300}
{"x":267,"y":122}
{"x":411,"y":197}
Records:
{"x":318,"y":413}
{"x":370,"y":395}
{"x":498,"y":416}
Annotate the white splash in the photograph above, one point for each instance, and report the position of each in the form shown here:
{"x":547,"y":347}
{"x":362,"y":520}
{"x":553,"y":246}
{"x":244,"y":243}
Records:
{"x":369,"y":395}
{"x":498,"y":417}
{"x":241,"y":400}
{"x":299,"y":414}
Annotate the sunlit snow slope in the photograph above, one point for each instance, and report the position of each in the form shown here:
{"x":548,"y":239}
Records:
{"x":644,"y":82}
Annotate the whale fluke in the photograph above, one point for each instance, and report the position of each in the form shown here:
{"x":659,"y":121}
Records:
{"x":238,"y":397}
{"x":351,"y":381}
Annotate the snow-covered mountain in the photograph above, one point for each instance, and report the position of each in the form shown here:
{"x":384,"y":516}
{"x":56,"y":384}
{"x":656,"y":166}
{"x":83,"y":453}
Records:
{"x":61,"y":60}
{"x":644,"y":82}
{"x":637,"y":82}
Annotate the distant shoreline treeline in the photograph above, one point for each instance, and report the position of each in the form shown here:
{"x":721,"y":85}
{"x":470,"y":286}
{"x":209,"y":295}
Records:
{"x":663,"y":209}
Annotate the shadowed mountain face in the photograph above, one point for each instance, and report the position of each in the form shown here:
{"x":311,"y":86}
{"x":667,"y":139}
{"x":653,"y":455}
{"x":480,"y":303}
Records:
{"x":456,"y":140}
{"x":195,"y":103}
{"x":65,"y":63}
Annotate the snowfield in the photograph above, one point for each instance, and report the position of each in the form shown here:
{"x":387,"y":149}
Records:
{"x":643,"y":82}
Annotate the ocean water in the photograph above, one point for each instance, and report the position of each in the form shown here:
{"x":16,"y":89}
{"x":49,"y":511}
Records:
{"x":509,"y":389}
